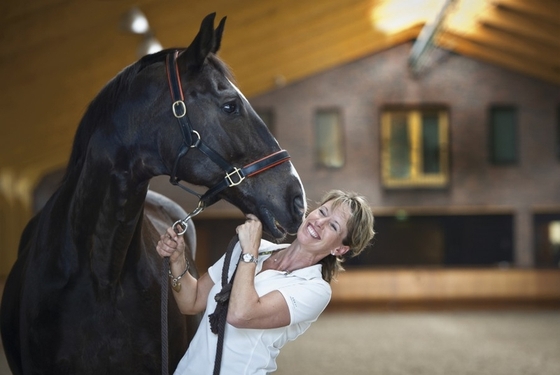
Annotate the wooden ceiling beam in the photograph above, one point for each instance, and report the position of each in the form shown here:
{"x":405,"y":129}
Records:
{"x":516,"y":45}
{"x":256,"y":22}
{"x":10,"y":10}
{"x":57,"y":23}
{"x":315,"y":32}
{"x":60,"y":83}
{"x":548,"y":10}
{"x":515,"y":23}
{"x":461,"y":44}
{"x":316,"y":61}
{"x":289,"y":30}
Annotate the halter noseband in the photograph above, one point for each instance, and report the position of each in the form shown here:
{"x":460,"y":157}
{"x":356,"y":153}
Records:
{"x":191,"y":139}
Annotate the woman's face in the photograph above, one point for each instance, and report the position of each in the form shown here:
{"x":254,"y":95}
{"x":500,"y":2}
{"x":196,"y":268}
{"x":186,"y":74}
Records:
{"x":324,"y":229}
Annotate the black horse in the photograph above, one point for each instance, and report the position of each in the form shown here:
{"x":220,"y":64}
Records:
{"x":84,"y":294}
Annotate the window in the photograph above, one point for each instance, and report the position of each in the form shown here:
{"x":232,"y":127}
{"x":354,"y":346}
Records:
{"x":329,"y":142}
{"x":503,"y":135}
{"x":414,"y":149}
{"x":440,"y":240}
{"x":267,"y":115}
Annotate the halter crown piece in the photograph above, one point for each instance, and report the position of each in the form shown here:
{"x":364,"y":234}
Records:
{"x":191,"y":139}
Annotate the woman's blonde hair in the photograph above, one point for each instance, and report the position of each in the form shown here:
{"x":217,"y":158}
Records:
{"x":359,"y":225}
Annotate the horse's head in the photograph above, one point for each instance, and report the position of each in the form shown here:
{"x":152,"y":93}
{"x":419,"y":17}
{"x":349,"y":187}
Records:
{"x":219,"y":117}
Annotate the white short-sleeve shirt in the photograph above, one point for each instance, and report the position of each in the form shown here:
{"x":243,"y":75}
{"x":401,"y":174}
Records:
{"x":254,"y":351}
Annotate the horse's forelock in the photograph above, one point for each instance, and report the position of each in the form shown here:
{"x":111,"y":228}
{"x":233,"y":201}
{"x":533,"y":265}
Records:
{"x":221,"y":67}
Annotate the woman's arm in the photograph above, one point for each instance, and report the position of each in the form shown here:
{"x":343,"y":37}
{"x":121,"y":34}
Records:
{"x":193,"y":294}
{"x":246,"y":308}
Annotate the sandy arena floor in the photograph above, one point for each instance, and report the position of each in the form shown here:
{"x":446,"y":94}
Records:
{"x":424,"y":343}
{"x":427,"y":343}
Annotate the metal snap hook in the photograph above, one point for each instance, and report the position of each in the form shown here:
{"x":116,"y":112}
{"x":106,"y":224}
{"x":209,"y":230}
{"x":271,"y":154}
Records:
{"x":184,"y":223}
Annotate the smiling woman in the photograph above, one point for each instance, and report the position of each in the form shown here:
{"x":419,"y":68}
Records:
{"x":277,"y":290}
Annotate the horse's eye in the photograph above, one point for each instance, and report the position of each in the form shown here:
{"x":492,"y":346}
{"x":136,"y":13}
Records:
{"x":229,"y":107}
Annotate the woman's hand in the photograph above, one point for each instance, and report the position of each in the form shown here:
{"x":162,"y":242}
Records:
{"x":192,"y":296}
{"x":171,"y":245}
{"x":246,"y":308}
{"x":250,"y":233}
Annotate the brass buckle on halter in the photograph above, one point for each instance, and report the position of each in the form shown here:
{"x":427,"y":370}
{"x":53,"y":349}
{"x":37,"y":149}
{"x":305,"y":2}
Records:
{"x":236,"y":171}
{"x":180,"y":104}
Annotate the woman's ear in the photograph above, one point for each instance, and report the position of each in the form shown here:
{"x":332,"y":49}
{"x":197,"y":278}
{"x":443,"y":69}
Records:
{"x":340,"y":251}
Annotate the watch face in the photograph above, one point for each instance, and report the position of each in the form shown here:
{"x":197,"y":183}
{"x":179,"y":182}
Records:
{"x":248,"y":258}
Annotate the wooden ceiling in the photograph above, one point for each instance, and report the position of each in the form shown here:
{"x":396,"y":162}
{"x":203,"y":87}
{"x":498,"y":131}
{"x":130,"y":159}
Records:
{"x":57,"y":54}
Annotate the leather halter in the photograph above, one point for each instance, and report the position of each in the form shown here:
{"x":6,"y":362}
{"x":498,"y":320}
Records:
{"x":191,"y":139}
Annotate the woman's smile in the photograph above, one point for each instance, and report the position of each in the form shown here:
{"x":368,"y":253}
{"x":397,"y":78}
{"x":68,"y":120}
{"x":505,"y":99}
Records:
{"x":311,"y":230}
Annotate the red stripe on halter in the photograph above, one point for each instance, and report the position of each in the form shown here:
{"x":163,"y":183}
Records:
{"x":268,"y":166}
{"x":178,"y":81}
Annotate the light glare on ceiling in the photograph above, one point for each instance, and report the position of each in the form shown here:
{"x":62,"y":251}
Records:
{"x":391,"y":16}
{"x":140,"y":25}
{"x":134,"y":21}
{"x":149,"y":45}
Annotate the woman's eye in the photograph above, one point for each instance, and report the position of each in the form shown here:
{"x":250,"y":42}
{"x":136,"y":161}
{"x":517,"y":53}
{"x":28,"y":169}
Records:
{"x":229,"y":107}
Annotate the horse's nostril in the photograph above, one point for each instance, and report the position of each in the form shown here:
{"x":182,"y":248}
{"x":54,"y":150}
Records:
{"x":299,"y":205}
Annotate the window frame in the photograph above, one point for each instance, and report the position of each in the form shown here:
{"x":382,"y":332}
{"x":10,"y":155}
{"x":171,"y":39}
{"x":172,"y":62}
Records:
{"x":491,"y":135}
{"x":417,"y":178}
{"x":341,"y":141}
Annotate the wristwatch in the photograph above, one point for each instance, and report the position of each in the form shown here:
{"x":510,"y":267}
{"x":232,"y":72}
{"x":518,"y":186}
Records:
{"x":248,"y":258}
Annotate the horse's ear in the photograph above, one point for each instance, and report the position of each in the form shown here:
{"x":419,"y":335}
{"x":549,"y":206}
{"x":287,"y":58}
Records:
{"x":201,"y":46}
{"x":218,"y":35}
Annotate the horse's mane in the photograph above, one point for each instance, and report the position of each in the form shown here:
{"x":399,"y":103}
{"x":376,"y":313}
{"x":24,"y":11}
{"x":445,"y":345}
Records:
{"x":96,"y":112}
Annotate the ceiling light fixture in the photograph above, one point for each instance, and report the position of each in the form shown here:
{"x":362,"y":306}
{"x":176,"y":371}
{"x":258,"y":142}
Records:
{"x":135,"y":22}
{"x":149,"y":45}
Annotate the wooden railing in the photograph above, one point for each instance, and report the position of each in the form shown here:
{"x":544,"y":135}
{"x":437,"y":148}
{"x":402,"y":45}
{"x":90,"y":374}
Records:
{"x":409,"y":287}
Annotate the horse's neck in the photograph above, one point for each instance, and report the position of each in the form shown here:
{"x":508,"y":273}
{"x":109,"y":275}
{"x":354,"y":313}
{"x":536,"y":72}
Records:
{"x":106,"y":212}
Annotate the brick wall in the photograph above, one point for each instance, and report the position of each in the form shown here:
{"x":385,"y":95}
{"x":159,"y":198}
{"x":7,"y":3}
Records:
{"x":468,"y":88}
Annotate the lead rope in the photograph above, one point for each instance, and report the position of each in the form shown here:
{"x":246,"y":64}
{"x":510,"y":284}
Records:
{"x":164,"y":330}
{"x":219,"y":317}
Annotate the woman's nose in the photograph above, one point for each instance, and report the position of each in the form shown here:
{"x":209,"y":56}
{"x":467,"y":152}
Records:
{"x":320,"y":222}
